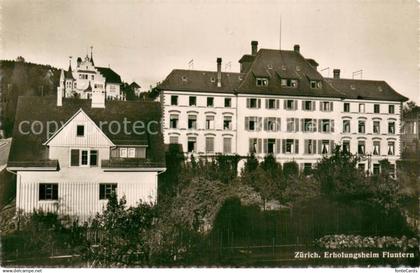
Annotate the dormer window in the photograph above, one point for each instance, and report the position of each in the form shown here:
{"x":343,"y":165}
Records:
{"x":184,"y":79}
{"x":289,"y":83}
{"x":316,"y":84}
{"x":212,"y":79}
{"x":80,"y":130}
{"x":262,"y":82}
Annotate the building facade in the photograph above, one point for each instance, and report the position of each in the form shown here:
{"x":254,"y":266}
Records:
{"x":69,"y":155}
{"x":280,"y":104}
{"x":86,"y":78}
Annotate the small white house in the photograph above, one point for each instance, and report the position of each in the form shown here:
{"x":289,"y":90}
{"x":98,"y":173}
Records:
{"x":69,"y":155}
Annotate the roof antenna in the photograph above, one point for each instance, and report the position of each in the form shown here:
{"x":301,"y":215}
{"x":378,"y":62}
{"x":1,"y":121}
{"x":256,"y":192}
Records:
{"x":191,"y":64}
{"x":358,"y":72}
{"x":228,"y":66}
{"x":327,"y":68}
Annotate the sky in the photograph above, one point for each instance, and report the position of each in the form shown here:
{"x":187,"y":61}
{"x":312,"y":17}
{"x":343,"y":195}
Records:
{"x":144,"y":40}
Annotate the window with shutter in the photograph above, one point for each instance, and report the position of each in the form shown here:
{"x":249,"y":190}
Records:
{"x":209,"y":144}
{"x":252,"y":145}
{"x":247,"y":123}
{"x":74,"y":155}
{"x":259,"y":124}
{"x":278,"y":146}
{"x":278,"y":124}
{"x":259,"y":146}
{"x":93,"y":158}
{"x":265,"y":146}
{"x":296,"y":125}
{"x":227,"y":145}
{"x":283,"y":146}
{"x":296,"y":146}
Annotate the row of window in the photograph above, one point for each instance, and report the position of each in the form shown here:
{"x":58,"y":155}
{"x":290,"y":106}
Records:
{"x":192,"y":101}
{"x":361,"y":127}
{"x":273,"y":124}
{"x":288,"y":104}
{"x":86,"y":76}
{"x":292,"y":83}
{"x":312,"y":146}
{"x":192,"y":122}
{"x":209,"y":147}
{"x":49,"y":191}
{"x":89,"y":158}
{"x":289,"y":146}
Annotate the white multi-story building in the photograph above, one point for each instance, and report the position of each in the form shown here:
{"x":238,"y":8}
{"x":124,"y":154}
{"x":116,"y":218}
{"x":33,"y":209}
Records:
{"x":87,"y":78}
{"x":70,"y":154}
{"x":280,"y":104}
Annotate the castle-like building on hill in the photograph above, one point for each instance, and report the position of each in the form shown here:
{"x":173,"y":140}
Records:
{"x":86,"y":79}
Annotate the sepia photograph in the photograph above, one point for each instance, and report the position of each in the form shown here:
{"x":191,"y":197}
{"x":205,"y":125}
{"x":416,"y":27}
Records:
{"x":227,"y":134}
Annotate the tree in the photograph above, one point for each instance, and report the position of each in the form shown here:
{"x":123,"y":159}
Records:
{"x":169,"y":180}
{"x":290,"y":169}
{"x":251,"y":164}
{"x":271,"y":166}
{"x":123,"y":234}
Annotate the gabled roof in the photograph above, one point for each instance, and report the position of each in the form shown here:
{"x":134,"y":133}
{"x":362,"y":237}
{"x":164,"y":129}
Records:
{"x":28,"y":149}
{"x":200,"y":81}
{"x":277,"y":64}
{"x":135,"y":85}
{"x":247,"y":58}
{"x":366,"y":89}
{"x":110,"y":75}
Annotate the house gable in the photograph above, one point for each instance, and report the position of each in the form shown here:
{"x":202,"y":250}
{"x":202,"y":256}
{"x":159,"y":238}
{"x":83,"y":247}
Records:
{"x":89,"y":135}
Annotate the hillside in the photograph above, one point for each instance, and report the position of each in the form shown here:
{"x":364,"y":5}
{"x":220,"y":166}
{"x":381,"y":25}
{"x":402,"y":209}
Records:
{"x":19,"y":78}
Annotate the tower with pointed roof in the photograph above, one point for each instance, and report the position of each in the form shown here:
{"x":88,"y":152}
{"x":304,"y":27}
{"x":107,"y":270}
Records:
{"x":87,"y":78}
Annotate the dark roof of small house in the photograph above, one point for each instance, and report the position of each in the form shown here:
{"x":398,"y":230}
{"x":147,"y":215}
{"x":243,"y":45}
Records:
{"x":277,"y":64}
{"x":110,"y":75}
{"x":135,"y":85}
{"x":200,"y":81}
{"x":247,"y":58}
{"x":30,"y":149}
{"x":366,"y":89}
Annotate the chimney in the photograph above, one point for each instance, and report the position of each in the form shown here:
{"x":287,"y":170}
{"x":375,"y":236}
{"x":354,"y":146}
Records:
{"x":219,"y":72}
{"x":336,"y":73}
{"x":254,"y":48}
{"x":296,"y":48}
